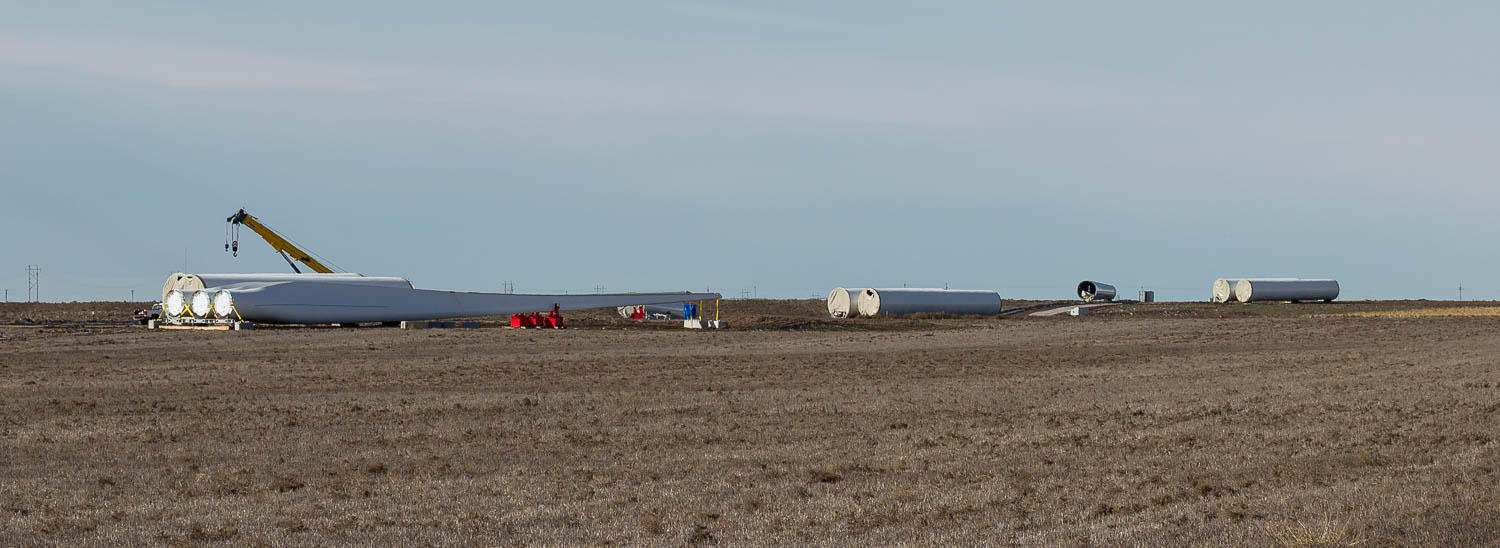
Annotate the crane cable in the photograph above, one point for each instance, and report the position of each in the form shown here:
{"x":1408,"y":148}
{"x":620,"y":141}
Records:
{"x":304,"y":248}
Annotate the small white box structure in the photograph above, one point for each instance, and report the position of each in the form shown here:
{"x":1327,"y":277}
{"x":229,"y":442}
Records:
{"x":1077,"y":311}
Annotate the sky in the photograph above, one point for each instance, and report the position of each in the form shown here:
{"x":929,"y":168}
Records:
{"x":774,"y":149}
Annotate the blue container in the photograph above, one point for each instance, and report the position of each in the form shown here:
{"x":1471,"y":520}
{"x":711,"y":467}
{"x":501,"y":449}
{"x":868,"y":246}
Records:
{"x":690,"y":311}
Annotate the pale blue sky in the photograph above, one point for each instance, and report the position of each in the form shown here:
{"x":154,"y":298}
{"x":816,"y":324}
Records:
{"x":786,"y":146}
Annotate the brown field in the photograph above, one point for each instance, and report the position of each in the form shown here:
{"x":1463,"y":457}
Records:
{"x":1169,"y":424}
{"x":1428,"y":312}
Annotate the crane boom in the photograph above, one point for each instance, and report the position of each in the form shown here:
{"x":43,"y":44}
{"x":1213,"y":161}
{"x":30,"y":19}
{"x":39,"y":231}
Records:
{"x":281,"y":245}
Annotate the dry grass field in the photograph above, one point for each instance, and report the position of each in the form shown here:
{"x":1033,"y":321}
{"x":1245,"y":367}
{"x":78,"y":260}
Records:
{"x":1469,"y":311}
{"x":1148,"y":425}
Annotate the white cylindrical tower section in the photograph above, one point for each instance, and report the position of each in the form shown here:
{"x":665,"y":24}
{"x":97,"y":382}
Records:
{"x":1091,"y":291}
{"x":1281,"y":289}
{"x":844,"y":302}
{"x":1223,"y":291}
{"x":901,"y":300}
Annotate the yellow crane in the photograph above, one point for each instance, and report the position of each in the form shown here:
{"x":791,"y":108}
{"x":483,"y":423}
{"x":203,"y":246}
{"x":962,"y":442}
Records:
{"x":281,"y":245}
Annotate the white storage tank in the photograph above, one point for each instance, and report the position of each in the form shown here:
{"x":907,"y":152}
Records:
{"x":902,"y":300}
{"x":1282,"y":289}
{"x":1091,"y":291}
{"x":844,"y":302}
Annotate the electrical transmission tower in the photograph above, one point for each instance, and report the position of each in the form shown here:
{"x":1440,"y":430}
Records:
{"x":34,"y":283}
{"x":510,"y":287}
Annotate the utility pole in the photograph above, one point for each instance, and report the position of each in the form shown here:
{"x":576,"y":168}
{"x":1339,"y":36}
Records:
{"x":33,"y":283}
{"x":1460,"y":291}
{"x":132,"y":295}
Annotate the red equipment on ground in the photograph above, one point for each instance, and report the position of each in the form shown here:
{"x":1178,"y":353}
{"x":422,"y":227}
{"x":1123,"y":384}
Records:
{"x":553,"y":319}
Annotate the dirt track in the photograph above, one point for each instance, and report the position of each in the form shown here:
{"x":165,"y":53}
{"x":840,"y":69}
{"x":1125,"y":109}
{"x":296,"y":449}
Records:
{"x":1111,"y":429}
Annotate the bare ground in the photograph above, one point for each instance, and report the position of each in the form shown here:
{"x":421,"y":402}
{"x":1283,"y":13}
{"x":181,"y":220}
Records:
{"x":1141,"y":428}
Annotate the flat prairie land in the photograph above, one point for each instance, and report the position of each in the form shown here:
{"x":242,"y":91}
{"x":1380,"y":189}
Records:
{"x":1147,"y":425}
{"x":1469,"y":311}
